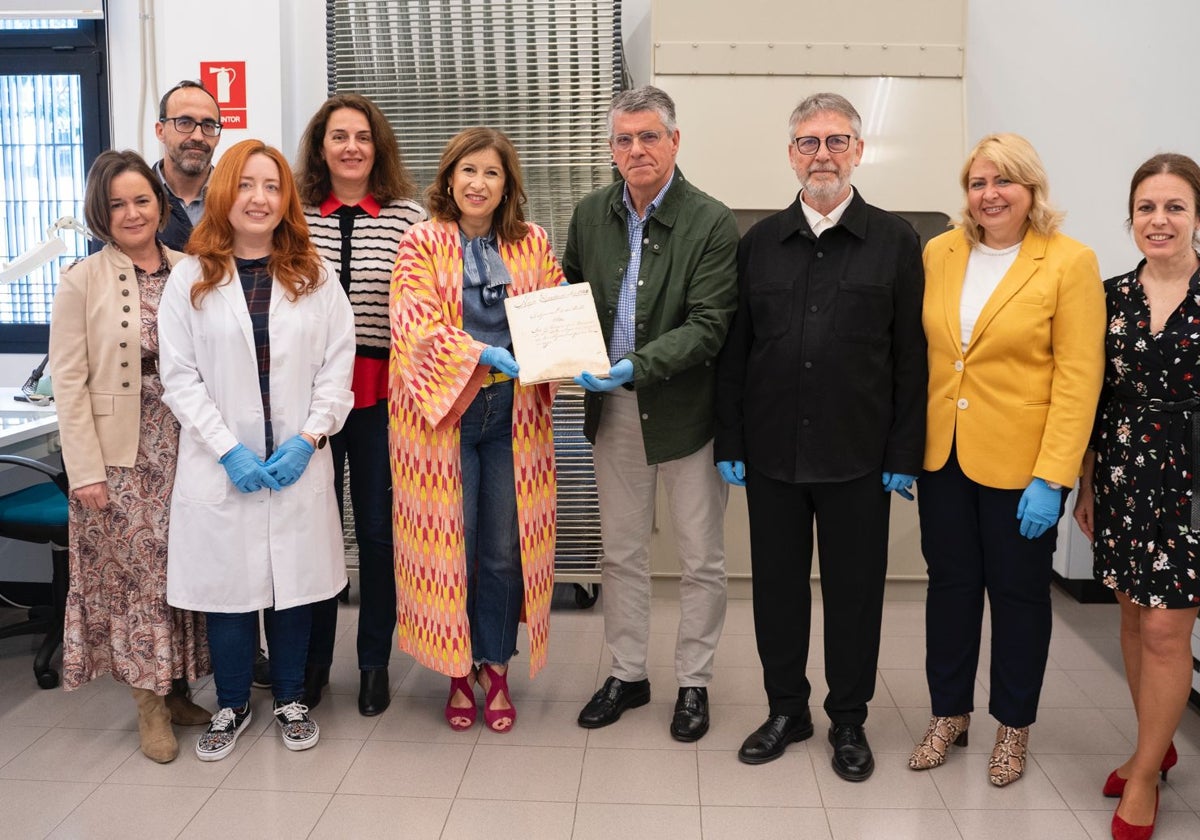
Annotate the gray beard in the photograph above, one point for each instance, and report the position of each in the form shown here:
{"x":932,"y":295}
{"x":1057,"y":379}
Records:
{"x":191,"y":166}
{"x":824,"y":190}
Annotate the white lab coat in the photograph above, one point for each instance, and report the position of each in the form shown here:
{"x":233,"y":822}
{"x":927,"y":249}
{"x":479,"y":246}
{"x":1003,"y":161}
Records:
{"x":236,"y":552}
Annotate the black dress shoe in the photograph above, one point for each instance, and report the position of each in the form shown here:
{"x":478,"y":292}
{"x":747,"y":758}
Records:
{"x":261,"y":675}
{"x":691,"y":715}
{"x":769,"y":741}
{"x":852,"y":759}
{"x":316,"y":677}
{"x":609,"y":702}
{"x":373,"y":692}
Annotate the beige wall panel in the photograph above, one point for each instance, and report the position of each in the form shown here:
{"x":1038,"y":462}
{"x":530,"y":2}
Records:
{"x":866,"y":21}
{"x":734,"y":137}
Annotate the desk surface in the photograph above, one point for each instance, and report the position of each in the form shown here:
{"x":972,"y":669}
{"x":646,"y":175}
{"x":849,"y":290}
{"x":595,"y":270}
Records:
{"x":21,"y":421}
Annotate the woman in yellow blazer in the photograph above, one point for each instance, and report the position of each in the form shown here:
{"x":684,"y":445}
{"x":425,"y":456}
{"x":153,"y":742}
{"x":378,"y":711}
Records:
{"x":1014,"y":316}
{"x":119,"y":444}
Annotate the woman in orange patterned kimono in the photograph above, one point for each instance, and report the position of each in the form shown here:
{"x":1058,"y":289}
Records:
{"x":472,"y":448}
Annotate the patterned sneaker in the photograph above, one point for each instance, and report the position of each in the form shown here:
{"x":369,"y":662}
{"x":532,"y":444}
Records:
{"x":300,"y":732}
{"x":217,"y":742}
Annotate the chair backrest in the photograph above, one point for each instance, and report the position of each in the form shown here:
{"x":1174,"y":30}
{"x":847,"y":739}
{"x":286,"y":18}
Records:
{"x":37,"y":513}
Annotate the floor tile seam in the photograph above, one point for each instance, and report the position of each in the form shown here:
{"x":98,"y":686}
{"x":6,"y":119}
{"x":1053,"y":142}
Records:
{"x":222,"y":785}
{"x":19,"y":753}
{"x":66,"y":816}
{"x":200,"y":808}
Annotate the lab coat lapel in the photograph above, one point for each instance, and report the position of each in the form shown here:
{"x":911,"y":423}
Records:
{"x":231,"y":292}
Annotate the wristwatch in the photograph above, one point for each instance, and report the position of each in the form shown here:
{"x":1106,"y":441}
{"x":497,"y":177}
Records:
{"x":318,"y":441}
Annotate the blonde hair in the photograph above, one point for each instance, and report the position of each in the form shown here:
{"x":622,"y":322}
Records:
{"x":1017,"y":161}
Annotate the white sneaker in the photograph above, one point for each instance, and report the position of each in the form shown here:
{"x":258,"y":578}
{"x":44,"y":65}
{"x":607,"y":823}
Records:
{"x":222,"y":733}
{"x":299,"y":731}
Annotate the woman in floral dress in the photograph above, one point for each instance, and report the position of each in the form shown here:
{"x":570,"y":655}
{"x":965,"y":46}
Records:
{"x":119,"y":445}
{"x":1137,"y":499}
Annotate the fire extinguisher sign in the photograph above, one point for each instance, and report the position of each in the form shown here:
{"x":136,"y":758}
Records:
{"x":226,"y":81}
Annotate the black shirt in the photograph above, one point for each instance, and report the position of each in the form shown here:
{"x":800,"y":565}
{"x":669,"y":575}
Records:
{"x":824,"y":374}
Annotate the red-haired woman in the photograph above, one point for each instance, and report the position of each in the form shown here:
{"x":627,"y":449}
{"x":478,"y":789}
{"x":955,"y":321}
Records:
{"x":257,"y":352}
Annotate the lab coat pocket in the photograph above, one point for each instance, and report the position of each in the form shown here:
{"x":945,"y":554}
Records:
{"x":206,"y":484}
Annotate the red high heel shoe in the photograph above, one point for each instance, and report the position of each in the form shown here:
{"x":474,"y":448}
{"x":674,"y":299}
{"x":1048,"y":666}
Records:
{"x":1114,"y":786}
{"x":1122,"y":830}
{"x":456,"y":715}
{"x":498,"y":720}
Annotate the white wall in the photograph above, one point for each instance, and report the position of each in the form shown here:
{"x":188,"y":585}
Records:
{"x":1098,"y":86}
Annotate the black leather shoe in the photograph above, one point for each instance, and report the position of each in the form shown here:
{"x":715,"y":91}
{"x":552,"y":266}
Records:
{"x":609,"y":702}
{"x":373,"y":693}
{"x":852,"y":759}
{"x":769,"y":741}
{"x":691,"y":715}
{"x":316,"y":677}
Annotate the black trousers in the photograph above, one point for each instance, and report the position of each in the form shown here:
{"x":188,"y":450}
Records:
{"x":852,"y":537}
{"x":364,"y":440}
{"x":971,"y":539}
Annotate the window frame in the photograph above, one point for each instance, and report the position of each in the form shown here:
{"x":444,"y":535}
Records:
{"x":81,"y":51}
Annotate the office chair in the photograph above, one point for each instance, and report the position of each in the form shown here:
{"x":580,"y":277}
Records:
{"x":39,"y":514}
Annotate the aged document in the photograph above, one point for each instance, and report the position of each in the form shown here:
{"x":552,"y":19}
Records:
{"x":556,"y":334}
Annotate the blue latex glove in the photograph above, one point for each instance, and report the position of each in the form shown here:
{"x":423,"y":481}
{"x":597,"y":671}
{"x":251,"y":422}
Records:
{"x":734,"y":472}
{"x":289,"y":461}
{"x":1038,"y":509}
{"x":618,"y":375}
{"x":500,"y":359}
{"x":899,"y":483}
{"x":246,"y":471}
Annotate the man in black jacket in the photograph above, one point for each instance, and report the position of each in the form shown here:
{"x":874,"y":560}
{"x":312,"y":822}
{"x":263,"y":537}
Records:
{"x":820,"y":415}
{"x":189,"y":127}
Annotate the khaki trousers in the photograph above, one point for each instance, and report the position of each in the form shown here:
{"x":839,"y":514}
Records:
{"x":696,"y":496}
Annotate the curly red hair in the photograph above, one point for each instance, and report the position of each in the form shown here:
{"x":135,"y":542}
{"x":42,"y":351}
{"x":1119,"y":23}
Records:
{"x":293,"y":263}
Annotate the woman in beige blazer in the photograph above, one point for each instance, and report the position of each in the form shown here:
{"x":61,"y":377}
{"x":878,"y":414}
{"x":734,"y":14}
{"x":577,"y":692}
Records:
{"x":1014,"y":316}
{"x":119,"y":446}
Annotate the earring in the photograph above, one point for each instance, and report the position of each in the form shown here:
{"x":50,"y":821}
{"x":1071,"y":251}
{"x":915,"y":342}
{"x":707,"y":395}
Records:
{"x":450,"y":191}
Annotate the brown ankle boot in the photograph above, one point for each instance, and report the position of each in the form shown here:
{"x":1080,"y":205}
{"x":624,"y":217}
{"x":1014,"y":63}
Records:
{"x":154,"y":726}
{"x":183,"y":711}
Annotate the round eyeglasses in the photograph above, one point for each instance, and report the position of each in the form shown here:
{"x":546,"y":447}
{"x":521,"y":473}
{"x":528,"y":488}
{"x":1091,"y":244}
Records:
{"x":835,"y":143}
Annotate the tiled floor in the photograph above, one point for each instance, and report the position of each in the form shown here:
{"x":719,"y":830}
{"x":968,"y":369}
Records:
{"x":70,"y":765}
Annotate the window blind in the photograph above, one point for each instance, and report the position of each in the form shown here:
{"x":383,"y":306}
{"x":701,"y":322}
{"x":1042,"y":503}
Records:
{"x":541,"y":71}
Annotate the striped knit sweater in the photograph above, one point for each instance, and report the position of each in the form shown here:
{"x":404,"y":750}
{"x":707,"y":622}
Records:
{"x":376,"y":242}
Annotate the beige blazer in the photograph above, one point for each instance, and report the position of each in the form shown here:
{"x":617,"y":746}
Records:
{"x":96,"y":362}
{"x":1021,"y":400}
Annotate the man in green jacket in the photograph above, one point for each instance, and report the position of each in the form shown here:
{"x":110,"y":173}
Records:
{"x":660,"y":256}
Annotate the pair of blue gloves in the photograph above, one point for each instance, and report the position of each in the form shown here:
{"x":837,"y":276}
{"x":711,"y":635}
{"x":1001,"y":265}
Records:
{"x":249,"y":473}
{"x":734,"y":472}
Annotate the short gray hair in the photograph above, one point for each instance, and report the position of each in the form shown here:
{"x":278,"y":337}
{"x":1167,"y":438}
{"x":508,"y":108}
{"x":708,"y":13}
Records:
{"x":644,"y":98}
{"x":820,"y":102}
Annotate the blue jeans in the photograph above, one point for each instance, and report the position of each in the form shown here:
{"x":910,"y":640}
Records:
{"x":495,"y":589}
{"x":233,"y":642}
{"x":364,"y":439}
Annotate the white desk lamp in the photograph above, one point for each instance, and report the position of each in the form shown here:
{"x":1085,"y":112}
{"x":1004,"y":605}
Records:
{"x":48,"y":249}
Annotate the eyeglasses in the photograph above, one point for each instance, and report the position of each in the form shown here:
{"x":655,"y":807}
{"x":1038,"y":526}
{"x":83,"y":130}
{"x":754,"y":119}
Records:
{"x":835,"y":143}
{"x":648,"y":139}
{"x":186,"y":125}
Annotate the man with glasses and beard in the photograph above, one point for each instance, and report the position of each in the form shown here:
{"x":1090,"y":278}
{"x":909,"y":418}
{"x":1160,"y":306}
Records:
{"x":821,"y":415}
{"x":189,"y":127}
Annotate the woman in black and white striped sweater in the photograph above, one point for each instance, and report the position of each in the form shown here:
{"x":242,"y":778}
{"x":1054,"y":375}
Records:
{"x":358,"y":200}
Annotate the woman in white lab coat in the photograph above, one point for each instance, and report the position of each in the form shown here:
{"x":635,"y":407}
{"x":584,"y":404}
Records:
{"x":256,"y":360}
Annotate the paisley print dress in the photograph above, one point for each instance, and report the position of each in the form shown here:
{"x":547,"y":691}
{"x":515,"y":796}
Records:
{"x":1144,"y":543}
{"x":117,"y":620}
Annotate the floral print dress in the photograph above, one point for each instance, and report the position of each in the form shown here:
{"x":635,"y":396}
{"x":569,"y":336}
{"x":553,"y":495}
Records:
{"x":1144,"y":543}
{"x":117,"y":620}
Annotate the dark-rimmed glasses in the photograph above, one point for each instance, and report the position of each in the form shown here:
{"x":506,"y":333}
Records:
{"x":835,"y":143}
{"x":186,"y":125}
